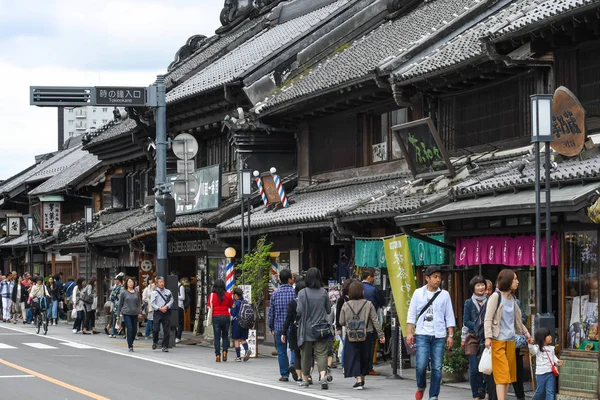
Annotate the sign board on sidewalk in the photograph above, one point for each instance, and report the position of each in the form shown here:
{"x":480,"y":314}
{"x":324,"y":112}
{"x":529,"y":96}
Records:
{"x":120,"y":96}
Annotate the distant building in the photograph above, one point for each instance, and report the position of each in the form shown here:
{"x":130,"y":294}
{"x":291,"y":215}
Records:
{"x":77,"y":121}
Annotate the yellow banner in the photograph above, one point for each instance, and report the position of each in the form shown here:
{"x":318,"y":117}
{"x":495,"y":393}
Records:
{"x":402,"y":278}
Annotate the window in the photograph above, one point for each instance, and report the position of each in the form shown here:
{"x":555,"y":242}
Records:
{"x":105,"y":109}
{"x":105,"y":121}
{"x":581,"y":290}
{"x":94,"y":122}
{"x":70,"y":111}
{"x":384,"y":146}
{"x":71,"y":133}
{"x":71,"y":122}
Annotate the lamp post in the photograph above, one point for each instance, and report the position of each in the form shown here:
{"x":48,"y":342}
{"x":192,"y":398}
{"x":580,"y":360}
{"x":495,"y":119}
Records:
{"x":245,"y":191}
{"x":88,"y":211}
{"x":541,"y":132}
{"x":30,"y":244}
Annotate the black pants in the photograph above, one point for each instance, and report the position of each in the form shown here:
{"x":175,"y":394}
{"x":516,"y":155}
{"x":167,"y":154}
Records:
{"x":90,"y":320}
{"x":371,"y":340}
{"x":180,"y":312}
{"x":79,"y":320}
{"x":163,"y":319}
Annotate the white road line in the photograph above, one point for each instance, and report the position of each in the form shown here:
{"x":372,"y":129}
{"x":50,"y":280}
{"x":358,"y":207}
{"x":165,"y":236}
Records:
{"x":16,"y":376}
{"x":40,"y":346}
{"x":77,"y":345}
{"x":4,"y":346}
{"x":12,"y":334}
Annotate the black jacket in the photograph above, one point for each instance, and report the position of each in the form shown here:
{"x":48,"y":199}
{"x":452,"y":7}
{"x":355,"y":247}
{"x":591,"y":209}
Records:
{"x":289,"y":326}
{"x":24,"y":293}
{"x":338,"y":309}
{"x":55,"y":292}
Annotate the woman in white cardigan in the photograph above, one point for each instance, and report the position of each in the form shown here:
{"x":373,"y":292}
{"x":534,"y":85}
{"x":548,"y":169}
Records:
{"x":78,"y":304}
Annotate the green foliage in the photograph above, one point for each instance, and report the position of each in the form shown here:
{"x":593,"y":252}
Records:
{"x":256,"y":271}
{"x":455,"y":361}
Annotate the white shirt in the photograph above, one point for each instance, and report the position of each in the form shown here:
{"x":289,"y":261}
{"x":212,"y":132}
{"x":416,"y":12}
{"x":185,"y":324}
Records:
{"x":181,"y":297}
{"x":442,"y":313}
{"x":542,"y":358}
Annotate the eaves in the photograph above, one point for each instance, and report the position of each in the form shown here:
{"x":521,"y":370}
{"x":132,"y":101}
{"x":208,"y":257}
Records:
{"x":439,"y":72}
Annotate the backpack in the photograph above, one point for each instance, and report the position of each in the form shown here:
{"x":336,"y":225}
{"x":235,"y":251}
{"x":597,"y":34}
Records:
{"x":480,"y":321}
{"x":245,"y":316}
{"x":187,"y":301}
{"x":356,"y":328}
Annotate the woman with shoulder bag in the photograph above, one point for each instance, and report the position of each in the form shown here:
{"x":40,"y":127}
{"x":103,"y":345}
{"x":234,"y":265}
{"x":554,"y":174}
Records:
{"x":90,"y":303}
{"x":313,"y":306}
{"x":360,"y":318}
{"x":78,"y":305}
{"x":471,"y":342}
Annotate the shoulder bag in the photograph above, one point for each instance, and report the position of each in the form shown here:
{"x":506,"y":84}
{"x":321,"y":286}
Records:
{"x":552,"y":366}
{"x":208,"y":322}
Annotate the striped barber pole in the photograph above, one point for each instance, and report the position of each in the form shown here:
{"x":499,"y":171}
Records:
{"x":261,"y":190}
{"x":281,"y":191}
{"x":229,"y":277}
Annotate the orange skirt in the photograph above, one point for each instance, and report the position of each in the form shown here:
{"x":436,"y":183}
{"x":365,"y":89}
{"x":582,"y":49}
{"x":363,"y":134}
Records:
{"x":504,"y":362}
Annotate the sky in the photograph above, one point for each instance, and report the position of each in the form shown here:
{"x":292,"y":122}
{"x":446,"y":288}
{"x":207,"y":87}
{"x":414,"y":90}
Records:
{"x":83,"y":43}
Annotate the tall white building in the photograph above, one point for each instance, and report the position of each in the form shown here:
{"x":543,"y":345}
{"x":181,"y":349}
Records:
{"x":78,"y":121}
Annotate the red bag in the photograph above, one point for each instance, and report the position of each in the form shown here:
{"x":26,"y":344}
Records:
{"x":552,"y":366}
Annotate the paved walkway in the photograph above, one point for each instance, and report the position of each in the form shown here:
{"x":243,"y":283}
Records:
{"x":262,"y":370}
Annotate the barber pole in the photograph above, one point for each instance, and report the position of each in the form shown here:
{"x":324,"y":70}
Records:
{"x":261,"y":189}
{"x":280,"y":189}
{"x":229,"y":277}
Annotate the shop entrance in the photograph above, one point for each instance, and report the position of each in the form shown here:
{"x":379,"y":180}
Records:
{"x":185,"y":267}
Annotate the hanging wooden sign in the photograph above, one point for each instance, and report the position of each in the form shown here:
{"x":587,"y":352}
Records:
{"x":568,"y":123}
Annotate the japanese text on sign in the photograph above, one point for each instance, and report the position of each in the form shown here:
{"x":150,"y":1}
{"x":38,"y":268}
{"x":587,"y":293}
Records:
{"x":51,"y":215}
{"x":121,"y":96}
{"x":424,"y":153}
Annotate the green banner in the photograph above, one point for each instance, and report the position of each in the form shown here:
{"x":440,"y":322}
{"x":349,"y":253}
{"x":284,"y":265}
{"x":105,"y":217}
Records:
{"x":401,"y":274}
{"x":369,"y":253}
{"x":423,"y":253}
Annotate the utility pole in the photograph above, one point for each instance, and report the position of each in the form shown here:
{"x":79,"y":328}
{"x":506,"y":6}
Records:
{"x":161,"y":175}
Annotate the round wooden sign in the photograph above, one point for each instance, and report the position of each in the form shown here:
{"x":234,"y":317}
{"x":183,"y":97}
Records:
{"x":568,"y":123}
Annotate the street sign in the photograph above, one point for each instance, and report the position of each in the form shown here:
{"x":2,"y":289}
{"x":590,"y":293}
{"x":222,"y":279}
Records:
{"x":52,"y":96}
{"x":120,"y":96}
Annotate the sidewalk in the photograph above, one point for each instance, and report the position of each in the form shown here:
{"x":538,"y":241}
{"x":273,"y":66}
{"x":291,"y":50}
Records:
{"x":262,"y":370}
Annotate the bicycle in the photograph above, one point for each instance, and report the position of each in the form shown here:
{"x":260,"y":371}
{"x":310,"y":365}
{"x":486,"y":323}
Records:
{"x":41,"y":318}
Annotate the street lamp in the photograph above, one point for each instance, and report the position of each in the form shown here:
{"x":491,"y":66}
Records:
{"x":541,"y":132}
{"x":89,"y":217}
{"x":30,"y":244}
{"x":245,"y":192}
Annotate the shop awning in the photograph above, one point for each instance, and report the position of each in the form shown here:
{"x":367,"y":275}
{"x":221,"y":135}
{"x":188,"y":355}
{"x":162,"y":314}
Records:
{"x":569,"y":198}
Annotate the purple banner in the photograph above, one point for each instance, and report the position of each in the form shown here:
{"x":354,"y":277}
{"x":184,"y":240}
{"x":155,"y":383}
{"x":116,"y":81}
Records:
{"x":503,"y":250}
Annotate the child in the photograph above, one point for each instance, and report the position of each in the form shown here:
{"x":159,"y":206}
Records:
{"x":239,"y":334}
{"x":544,"y":360}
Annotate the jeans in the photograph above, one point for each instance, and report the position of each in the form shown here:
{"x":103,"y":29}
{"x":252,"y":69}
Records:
{"x":113,"y":330}
{"x":544,"y":383}
{"x":430,"y":346}
{"x":221,"y":332}
{"x":131,"y":325}
{"x":148,"y":327}
{"x":282,"y":357}
{"x":28,"y":315}
{"x":53,"y":309}
{"x":475,"y":377}
{"x":180,"y":312}
{"x":79,"y":320}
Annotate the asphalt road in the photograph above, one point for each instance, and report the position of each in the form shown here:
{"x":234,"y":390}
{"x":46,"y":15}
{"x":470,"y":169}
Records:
{"x":39,"y":367}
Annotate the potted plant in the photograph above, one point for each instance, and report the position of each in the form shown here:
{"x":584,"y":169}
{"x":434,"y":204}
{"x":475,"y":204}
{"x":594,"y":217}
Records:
{"x":455,"y":363}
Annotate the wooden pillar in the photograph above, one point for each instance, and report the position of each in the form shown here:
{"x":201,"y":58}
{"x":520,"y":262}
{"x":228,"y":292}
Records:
{"x":53,"y":264}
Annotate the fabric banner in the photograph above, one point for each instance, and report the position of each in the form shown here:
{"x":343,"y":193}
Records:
{"x":423,"y":253}
{"x":401,"y":274}
{"x":503,"y":250}
{"x":369,"y":253}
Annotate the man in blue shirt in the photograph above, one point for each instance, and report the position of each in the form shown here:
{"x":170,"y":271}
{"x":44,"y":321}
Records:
{"x":375,"y":296}
{"x":431,"y":312}
{"x":276,"y":318}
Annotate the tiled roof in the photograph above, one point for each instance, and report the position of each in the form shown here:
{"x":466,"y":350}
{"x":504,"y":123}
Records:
{"x":60,"y":181}
{"x":392,"y":39}
{"x":234,"y":64}
{"x":461,"y":48}
{"x":213,"y":46}
{"x":121,"y":226}
{"x":120,"y":128}
{"x":22,"y":241}
{"x":364,"y":199}
{"x":540,"y":12}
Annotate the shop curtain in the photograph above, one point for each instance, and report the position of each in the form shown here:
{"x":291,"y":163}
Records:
{"x":423,"y":253}
{"x":503,"y":250}
{"x":369,"y":253}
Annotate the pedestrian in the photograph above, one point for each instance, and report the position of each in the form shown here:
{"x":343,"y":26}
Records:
{"x":489,"y":289}
{"x":239,"y":334}
{"x":356,"y":351}
{"x":472,"y":342}
{"x":291,"y":334}
{"x":6,"y":289}
{"x":162,"y":301}
{"x":37,"y":296}
{"x":313,"y":329}
{"x":19,"y":299}
{"x":114,"y":297}
{"x":90,"y":303}
{"x":54,"y":291}
{"x":78,"y":305}
{"x":502,"y":323}
{"x":375,"y":296}
{"x":545,"y":364}
{"x":147,"y":306}
{"x":67,"y":296}
{"x":180,"y":310}
{"x":221,"y":302}
{"x":430,"y":312}
{"x":130,"y":309}
{"x":278,"y":307}
{"x":338,"y":309}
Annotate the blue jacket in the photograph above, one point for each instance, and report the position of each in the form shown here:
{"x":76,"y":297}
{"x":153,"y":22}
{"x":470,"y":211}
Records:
{"x":470,"y":315}
{"x":374,"y":295}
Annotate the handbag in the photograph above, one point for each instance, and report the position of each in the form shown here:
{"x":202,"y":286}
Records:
{"x":322,"y":330}
{"x":471,"y":345}
{"x":208,"y":322}
{"x":73,"y":313}
{"x":552,"y":366}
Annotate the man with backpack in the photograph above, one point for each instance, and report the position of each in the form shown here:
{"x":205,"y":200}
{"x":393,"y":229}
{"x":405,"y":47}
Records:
{"x":431,"y":313}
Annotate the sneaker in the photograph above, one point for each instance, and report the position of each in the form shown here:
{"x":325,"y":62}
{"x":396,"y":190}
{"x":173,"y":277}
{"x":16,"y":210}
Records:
{"x":303,"y":384}
{"x":358,"y":386}
{"x":310,"y":382}
{"x":247,"y":355}
{"x":165,"y":350}
{"x":284,"y":379}
{"x":238,"y":359}
{"x":131,"y":349}
{"x":177,"y":340}
{"x":419,"y":395}
{"x":292,"y":371}
{"x":154,"y":346}
{"x":112,"y":336}
{"x":324,"y":385}
{"x":74,"y":330}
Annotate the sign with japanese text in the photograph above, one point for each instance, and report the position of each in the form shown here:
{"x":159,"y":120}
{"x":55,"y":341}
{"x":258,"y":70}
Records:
{"x":50,"y":215}
{"x":146,"y":270}
{"x":401,"y":274}
{"x":207,"y":183}
{"x":189,"y":246}
{"x":120,"y":96}
{"x":423,"y":148}
{"x":568,"y":123}
{"x":13,"y":227}
{"x":270,"y":189}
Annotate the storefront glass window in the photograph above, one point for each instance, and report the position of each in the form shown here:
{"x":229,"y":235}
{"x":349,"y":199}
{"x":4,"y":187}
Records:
{"x":581,"y":290}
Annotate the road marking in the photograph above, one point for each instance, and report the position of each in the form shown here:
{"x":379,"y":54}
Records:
{"x":6,"y":346}
{"x":15,"y":376}
{"x":12,"y":334}
{"x":54,"y":381}
{"x":77,"y":345}
{"x":40,"y":346}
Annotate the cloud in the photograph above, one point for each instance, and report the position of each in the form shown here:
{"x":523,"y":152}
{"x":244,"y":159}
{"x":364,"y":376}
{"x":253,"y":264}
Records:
{"x":83,"y":43}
